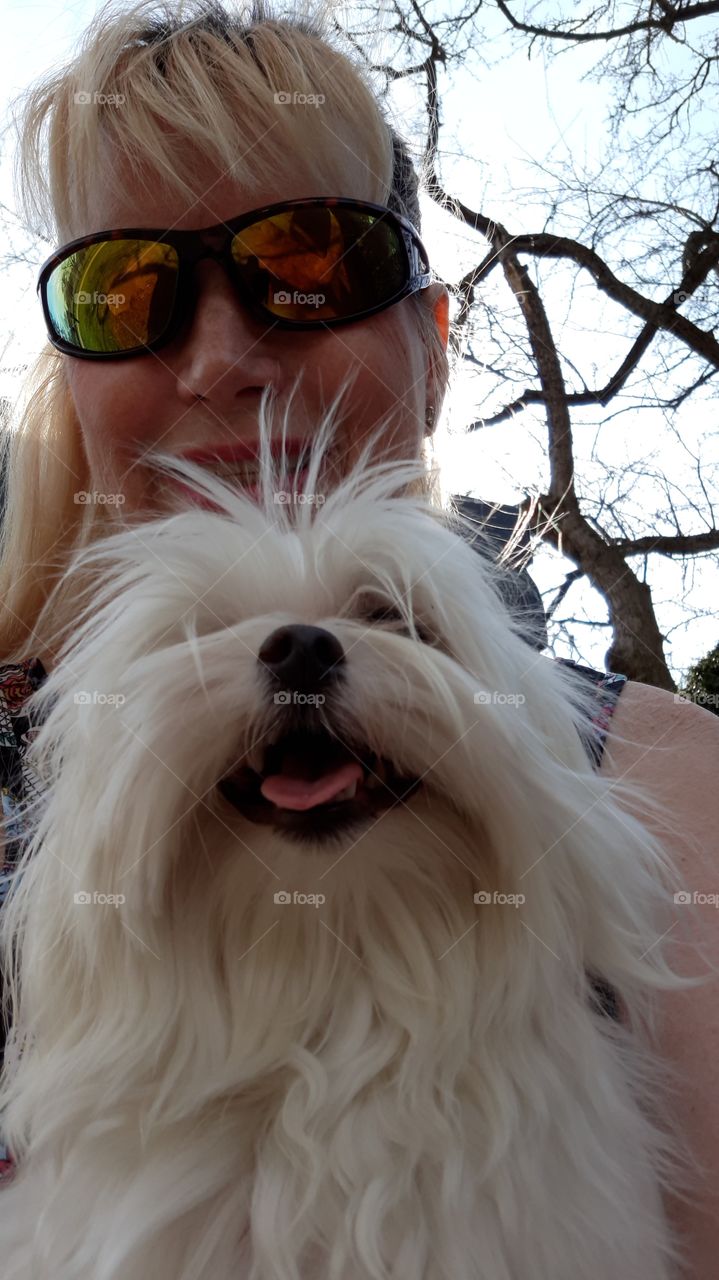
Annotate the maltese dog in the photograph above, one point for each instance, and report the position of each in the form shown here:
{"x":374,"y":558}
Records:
{"x":299,"y":954}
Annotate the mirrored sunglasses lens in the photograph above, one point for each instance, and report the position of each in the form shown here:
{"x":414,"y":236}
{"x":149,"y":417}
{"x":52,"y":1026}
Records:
{"x":113,"y":296}
{"x":321,"y":262}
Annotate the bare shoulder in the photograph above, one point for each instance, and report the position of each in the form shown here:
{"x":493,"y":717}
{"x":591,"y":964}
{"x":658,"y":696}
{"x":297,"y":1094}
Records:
{"x":650,"y":715}
{"x":671,"y":747}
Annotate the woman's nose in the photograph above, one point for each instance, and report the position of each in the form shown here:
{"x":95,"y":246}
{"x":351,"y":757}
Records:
{"x":224,"y":351}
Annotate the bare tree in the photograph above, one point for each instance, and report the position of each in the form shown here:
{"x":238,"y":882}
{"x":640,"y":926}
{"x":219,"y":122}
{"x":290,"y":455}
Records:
{"x":650,"y":253}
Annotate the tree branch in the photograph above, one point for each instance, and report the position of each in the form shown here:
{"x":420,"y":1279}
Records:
{"x":661,"y":315}
{"x":680,"y":544}
{"x":570,"y":579}
{"x":673,"y":16}
{"x":603,"y":396}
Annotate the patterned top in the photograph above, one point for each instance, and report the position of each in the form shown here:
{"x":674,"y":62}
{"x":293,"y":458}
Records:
{"x":19,"y":783}
{"x":607,"y":688}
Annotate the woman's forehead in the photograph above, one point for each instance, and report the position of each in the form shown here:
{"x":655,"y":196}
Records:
{"x":221,"y":200}
{"x":122,"y":197}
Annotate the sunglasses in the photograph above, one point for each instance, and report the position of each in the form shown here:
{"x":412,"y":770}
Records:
{"x":298,"y":264}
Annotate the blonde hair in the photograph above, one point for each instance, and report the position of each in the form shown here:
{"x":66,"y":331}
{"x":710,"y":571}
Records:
{"x":189,"y":77}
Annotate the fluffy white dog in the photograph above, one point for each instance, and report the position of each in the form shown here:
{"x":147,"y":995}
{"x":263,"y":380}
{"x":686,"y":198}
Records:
{"x":299,"y":952}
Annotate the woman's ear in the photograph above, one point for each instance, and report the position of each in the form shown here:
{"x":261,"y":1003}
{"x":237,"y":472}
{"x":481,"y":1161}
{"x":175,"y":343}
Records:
{"x":441,"y":314}
{"x":438,"y":301}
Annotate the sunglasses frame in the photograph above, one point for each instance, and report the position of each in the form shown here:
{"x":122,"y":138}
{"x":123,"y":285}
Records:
{"x":216,"y":242}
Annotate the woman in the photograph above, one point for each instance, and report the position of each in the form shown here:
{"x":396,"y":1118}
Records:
{"x":184,"y":125}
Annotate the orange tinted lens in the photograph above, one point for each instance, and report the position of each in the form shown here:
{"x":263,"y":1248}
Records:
{"x":321,"y":262}
{"x":115,"y":295}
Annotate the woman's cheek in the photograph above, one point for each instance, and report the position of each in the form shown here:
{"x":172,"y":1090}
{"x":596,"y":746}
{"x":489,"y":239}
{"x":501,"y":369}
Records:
{"x":116,"y":413}
{"x":394,"y":378}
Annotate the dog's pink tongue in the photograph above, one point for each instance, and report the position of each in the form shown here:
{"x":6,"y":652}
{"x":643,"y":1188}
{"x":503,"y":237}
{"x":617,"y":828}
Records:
{"x":304,"y":793}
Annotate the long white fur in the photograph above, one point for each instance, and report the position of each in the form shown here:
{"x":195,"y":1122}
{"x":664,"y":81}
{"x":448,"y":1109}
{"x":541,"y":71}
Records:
{"x":204,"y":1084}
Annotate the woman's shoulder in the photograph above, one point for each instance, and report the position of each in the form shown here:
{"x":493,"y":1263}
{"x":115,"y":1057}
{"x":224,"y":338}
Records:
{"x":669,"y":746}
{"x":651,"y":720}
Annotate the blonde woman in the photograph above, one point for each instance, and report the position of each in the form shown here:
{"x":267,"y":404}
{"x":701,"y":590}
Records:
{"x":263,"y":135}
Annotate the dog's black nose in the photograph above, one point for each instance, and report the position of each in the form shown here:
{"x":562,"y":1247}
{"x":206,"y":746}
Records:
{"x":301,"y":657}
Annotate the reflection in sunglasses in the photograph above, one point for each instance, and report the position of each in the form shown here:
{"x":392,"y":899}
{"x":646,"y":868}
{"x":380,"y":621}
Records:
{"x":298,"y":257}
{"x":305,"y":264}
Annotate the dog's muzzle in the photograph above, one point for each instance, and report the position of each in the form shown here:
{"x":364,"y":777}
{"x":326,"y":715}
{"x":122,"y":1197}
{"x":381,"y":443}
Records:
{"x":311,"y":783}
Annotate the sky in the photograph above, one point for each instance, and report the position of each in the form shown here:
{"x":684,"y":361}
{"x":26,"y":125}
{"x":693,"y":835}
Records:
{"x":498,"y":123}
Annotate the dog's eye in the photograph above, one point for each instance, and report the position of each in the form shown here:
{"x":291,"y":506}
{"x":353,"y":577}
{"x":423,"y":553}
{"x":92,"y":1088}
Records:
{"x":385,"y":614}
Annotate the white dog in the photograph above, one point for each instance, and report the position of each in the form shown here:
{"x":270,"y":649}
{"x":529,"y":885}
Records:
{"x":299,"y":951}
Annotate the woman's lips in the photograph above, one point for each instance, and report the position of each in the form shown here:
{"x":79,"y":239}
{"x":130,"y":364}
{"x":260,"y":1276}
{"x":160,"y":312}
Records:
{"x":282,"y":497}
{"x":242,"y":451}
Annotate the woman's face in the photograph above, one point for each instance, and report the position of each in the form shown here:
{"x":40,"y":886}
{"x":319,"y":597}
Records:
{"x":228,"y":358}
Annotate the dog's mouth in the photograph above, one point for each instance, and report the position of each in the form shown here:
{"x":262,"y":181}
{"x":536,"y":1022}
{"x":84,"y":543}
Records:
{"x":313,"y":785}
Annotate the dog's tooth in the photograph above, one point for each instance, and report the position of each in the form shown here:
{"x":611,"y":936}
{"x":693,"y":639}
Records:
{"x":348,"y":793}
